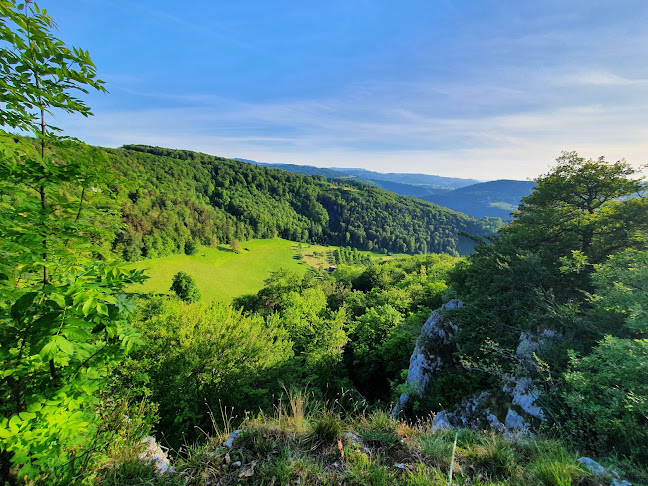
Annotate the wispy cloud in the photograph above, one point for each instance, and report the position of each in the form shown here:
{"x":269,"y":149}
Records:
{"x":331,"y":132}
{"x":486,"y":90}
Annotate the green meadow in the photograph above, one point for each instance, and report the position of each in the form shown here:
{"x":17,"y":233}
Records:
{"x":220,"y":273}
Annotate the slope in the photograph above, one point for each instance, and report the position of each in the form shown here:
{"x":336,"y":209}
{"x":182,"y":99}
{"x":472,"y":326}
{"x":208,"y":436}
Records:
{"x":180,"y":199}
{"x":494,"y":198}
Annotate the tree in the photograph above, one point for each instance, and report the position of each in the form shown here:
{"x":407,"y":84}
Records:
{"x":606,"y":394}
{"x":63,"y":313}
{"x":583,"y":205}
{"x":185,"y":287}
{"x":518,"y":282}
{"x":621,"y":285}
{"x":236,"y":246}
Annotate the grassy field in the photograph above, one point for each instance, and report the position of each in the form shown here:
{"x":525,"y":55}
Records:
{"x":220,"y":273}
{"x":322,"y":256}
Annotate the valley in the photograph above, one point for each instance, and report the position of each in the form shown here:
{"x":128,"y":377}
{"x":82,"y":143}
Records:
{"x":170,"y":317}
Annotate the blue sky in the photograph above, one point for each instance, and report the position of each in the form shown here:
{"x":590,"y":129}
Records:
{"x":475,"y":88}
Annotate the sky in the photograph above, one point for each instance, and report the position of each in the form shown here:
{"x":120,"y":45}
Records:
{"x":484,"y":89}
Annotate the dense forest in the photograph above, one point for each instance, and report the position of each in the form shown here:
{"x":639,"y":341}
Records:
{"x":179,"y":199}
{"x":89,"y":368}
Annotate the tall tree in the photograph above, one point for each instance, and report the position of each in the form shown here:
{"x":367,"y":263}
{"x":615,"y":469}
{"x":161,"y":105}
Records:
{"x":63,"y":316}
{"x":517,"y":283}
{"x":579,"y":205}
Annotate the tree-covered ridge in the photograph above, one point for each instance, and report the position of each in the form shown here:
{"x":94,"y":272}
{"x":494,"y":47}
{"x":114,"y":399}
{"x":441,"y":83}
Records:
{"x":179,"y":199}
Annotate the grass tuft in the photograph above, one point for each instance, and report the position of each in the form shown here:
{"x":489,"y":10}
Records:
{"x":327,"y":428}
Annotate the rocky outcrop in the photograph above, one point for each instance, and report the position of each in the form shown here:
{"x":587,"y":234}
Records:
{"x":427,"y":358}
{"x":595,"y":468}
{"x":434,"y":350}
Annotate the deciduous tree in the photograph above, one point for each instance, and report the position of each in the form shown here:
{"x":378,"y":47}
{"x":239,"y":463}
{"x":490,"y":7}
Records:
{"x":63,"y":314}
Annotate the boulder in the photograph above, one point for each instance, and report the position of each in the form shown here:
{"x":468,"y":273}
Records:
{"x":155,"y":454}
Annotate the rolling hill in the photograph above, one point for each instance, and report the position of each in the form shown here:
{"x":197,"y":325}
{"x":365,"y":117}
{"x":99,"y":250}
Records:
{"x":179,"y":199}
{"x":486,"y":199}
{"x":477,"y":199}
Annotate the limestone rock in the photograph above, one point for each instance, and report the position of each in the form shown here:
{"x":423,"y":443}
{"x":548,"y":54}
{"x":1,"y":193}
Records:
{"x":514,"y":422}
{"x":593,"y":466}
{"x":525,"y":395}
{"x":432,"y":344}
{"x":440,"y":421}
{"x":156,"y":455}
{"x":231,"y":438}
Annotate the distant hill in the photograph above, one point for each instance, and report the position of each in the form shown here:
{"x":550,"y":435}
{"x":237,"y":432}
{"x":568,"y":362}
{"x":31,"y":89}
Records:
{"x":494,"y":198}
{"x":300,"y":169}
{"x":431,"y":184}
{"x":426,"y":180}
{"x":477,"y":199}
{"x":176,"y":200}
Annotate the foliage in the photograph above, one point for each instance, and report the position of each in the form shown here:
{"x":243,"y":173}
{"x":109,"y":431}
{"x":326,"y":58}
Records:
{"x":621,"y":284}
{"x":358,"y":323}
{"x":199,"y":357}
{"x":185,"y":287}
{"x":64,"y":318}
{"x":515,"y":283}
{"x":540,"y":272}
{"x":578,"y":206}
{"x":176,"y":196}
{"x":607,"y":396}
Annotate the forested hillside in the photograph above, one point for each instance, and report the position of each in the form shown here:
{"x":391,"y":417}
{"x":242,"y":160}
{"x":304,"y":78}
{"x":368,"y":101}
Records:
{"x":493,"y":199}
{"x":180,"y":199}
{"x":541,"y":332}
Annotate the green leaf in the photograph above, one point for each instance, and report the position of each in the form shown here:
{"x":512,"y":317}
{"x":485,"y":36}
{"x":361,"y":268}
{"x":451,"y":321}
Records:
{"x":48,"y":351}
{"x":102,"y":308}
{"x":13,"y":424}
{"x":34,"y":407}
{"x":87,"y":306}
{"x":27,"y":415}
{"x":22,"y":305}
{"x":76,"y":333}
{"x":64,"y":345}
{"x":58,"y":298}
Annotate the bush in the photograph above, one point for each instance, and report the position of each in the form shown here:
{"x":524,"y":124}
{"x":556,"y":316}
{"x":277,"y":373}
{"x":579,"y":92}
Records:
{"x":607,"y":396}
{"x":185,"y":287}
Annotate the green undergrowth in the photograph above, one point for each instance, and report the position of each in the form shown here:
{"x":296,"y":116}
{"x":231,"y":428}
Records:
{"x":305,"y":444}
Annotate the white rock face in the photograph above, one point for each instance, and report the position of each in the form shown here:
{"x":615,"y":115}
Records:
{"x":434,"y":348}
{"x":440,"y":421}
{"x":525,"y":394}
{"x":514,"y":422}
{"x":425,"y":362}
{"x":523,"y":391}
{"x":231,"y":438}
{"x":593,"y":466}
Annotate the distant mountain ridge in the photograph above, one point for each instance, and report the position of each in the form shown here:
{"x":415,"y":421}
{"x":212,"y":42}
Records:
{"x":487,"y":199}
{"x":393,"y":181}
{"x":426,"y":180}
{"x":477,"y":199}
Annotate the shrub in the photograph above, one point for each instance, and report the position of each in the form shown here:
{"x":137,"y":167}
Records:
{"x":607,"y":396}
{"x":185,"y":287}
